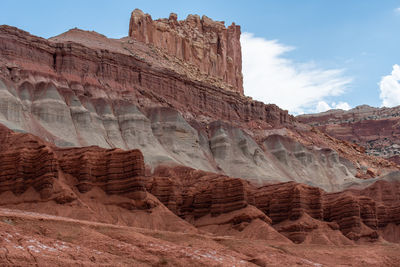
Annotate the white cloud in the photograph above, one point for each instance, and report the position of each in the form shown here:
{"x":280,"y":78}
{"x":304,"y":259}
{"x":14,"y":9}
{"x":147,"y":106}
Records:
{"x":397,"y":10}
{"x":271,"y":78}
{"x":322,"y":106}
{"x":342,"y":105}
{"x":390,"y":88}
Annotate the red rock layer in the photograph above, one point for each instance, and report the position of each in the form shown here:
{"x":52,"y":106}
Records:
{"x":358,"y":214}
{"x":90,"y":73}
{"x":26,"y":161}
{"x":191,"y":194}
{"x":114,"y":170}
{"x":197,"y":193}
{"x":376,"y":129}
{"x":203,"y":42}
{"x":289,"y":201}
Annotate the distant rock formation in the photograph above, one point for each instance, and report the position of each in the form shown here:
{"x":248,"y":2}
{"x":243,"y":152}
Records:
{"x":205,"y":43}
{"x":376,"y":129}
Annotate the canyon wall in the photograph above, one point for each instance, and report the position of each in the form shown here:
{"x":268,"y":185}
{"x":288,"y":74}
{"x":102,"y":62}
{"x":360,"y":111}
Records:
{"x":81,"y":89}
{"x":145,"y":148}
{"x":77,"y":178}
{"x":80,"y":94}
{"x":205,"y":43}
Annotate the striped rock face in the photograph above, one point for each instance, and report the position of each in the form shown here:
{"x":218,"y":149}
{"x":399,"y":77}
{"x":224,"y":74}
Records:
{"x":144,"y":151}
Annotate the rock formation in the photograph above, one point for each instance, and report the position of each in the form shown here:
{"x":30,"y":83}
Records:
{"x":294,"y":209}
{"x":27,"y":162}
{"x":115,"y":171}
{"x":122,"y":94}
{"x":207,"y":44}
{"x":376,"y":129}
{"x":147,"y":146}
{"x":211,"y":202}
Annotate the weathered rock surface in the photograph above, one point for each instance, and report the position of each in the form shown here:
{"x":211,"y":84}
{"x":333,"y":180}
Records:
{"x":65,"y":117}
{"x":27,"y":162}
{"x":106,"y":185}
{"x":300,"y":212}
{"x":81,"y":88}
{"x":207,"y":44}
{"x":356,"y":213}
{"x":376,"y":129}
{"x":212,"y":202}
{"x":91,"y":185}
{"x":148,"y":131}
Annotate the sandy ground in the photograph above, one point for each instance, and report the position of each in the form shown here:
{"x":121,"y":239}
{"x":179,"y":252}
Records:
{"x":29,"y":239}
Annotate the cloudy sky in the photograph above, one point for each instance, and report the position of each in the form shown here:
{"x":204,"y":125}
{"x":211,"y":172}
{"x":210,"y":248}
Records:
{"x":306,"y":56}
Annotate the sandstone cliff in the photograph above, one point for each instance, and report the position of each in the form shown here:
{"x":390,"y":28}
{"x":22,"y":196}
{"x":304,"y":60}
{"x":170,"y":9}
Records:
{"x":205,"y":43}
{"x":81,"y":88}
{"x":144,"y":151}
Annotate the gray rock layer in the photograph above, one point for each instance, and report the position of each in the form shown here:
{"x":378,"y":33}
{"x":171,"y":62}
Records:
{"x":165,"y":137}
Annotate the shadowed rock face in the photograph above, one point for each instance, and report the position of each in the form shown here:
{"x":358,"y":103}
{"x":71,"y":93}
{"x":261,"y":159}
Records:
{"x":26,"y":162}
{"x":115,"y":171}
{"x":356,"y":212}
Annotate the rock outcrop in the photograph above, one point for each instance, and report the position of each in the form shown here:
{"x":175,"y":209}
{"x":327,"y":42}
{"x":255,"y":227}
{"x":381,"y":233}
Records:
{"x":298,"y":211}
{"x":27,"y":161}
{"x":207,"y":44}
{"x":355,"y":213}
{"x":114,"y":170}
{"x":376,"y":129}
{"x":212,"y":202}
{"x":81,"y":89}
{"x":145,"y":145}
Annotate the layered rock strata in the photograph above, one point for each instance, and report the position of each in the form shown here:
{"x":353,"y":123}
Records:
{"x":296,"y":210}
{"x":81,"y":88}
{"x":205,"y":43}
{"x":212,"y":202}
{"x":357,"y":214}
{"x":27,"y":161}
{"x":67,"y":117}
{"x":114,"y":170}
{"x":376,"y":129}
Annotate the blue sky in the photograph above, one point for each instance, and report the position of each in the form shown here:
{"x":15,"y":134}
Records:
{"x":306,"y":53}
